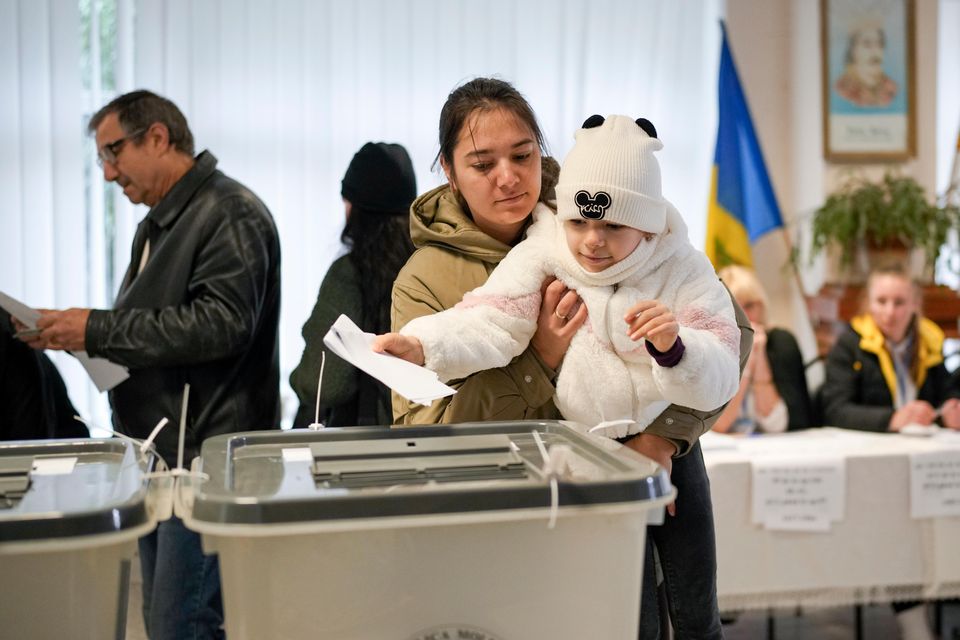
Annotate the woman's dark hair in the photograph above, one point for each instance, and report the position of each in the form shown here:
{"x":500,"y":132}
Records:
{"x":549,"y":177}
{"x":138,"y":110}
{"x":487,"y":94}
{"x":379,"y":247}
{"x":484,"y":94}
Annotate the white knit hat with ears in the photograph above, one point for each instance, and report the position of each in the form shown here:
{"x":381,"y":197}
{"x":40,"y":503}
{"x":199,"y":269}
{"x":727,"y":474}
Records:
{"x":611,"y":175}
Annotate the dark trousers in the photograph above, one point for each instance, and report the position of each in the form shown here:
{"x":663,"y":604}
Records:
{"x":181,"y":586}
{"x":687,"y":549}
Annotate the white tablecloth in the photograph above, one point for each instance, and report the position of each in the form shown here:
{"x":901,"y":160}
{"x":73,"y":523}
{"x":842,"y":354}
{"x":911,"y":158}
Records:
{"x":876,"y":553}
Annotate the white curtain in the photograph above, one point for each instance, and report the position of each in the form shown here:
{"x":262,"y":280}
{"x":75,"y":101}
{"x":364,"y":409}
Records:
{"x":948,"y":91}
{"x":948,"y":139}
{"x":283,"y":92}
{"x":43,"y":223}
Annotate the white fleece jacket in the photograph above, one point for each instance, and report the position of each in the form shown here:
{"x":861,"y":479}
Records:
{"x":605,"y":377}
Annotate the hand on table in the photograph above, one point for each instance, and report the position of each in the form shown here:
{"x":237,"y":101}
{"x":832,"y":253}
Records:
{"x":915,"y":412}
{"x":950,"y":413}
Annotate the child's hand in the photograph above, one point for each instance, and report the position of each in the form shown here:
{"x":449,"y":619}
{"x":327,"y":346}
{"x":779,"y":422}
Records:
{"x":405,"y":347}
{"x":654,"y":321}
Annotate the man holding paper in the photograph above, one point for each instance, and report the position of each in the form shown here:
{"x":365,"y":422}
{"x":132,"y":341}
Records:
{"x":199,"y":304}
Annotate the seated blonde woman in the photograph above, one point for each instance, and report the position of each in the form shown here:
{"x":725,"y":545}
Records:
{"x":773,"y":395}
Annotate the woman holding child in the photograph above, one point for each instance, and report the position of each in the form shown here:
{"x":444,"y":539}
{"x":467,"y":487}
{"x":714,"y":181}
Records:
{"x":491,"y":152}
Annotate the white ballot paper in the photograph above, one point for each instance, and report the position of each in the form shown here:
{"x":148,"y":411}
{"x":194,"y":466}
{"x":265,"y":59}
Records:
{"x":105,"y":374}
{"x":412,"y":382}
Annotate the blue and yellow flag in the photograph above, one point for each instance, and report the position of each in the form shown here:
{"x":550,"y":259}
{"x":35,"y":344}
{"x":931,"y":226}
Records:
{"x":742,"y":204}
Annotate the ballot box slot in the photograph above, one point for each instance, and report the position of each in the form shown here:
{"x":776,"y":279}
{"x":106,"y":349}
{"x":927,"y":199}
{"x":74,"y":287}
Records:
{"x":413,"y":461}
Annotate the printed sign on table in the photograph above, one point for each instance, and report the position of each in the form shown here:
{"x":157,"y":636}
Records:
{"x":935,"y":484}
{"x":796,"y":494}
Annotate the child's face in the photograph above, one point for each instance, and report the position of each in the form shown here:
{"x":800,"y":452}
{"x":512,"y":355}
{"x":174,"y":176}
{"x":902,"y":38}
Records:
{"x":598,"y":245}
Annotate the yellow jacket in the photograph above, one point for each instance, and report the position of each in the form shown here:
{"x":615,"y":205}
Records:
{"x":929,"y":349}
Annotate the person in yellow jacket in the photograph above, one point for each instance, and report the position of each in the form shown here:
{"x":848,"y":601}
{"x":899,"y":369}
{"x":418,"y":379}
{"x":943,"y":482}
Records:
{"x":886,"y":371}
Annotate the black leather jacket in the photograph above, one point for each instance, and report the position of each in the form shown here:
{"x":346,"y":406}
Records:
{"x":205,"y":310}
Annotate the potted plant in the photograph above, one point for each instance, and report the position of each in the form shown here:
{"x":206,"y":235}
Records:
{"x":866,"y":218}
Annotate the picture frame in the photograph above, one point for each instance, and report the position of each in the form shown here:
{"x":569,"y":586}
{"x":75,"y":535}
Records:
{"x":869,"y":80}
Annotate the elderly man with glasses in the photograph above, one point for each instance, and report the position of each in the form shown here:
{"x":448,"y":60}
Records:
{"x":199,"y":304}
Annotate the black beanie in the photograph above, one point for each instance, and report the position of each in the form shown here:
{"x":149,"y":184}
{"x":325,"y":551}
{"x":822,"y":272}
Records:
{"x":380,"y":179}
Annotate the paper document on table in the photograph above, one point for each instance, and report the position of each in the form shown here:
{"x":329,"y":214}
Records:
{"x":799,"y":493}
{"x":935,"y":483}
{"x":105,"y":374}
{"x":414,"y":383}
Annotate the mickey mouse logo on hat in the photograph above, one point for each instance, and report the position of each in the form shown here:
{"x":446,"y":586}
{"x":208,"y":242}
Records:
{"x":593,"y":207}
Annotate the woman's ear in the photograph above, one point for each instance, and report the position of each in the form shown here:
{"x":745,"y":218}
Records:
{"x":448,"y":172}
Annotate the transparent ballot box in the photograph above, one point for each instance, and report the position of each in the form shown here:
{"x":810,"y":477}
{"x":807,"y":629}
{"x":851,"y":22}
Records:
{"x":70,"y":515}
{"x":493,"y":531}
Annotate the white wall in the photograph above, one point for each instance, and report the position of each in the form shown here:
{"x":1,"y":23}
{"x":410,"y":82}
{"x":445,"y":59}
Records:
{"x":777,"y":47}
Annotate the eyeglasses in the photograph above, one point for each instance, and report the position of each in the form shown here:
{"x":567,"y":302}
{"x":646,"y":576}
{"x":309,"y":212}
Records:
{"x":110,"y":151}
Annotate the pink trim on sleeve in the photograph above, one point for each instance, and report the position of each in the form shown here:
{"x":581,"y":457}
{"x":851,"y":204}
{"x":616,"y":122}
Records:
{"x":725,"y":330}
{"x":526,"y":307}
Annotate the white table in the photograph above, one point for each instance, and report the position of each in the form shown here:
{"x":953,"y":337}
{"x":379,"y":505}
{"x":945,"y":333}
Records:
{"x":877,"y":553}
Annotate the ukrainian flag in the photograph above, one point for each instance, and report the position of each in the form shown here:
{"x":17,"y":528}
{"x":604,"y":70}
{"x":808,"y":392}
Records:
{"x":742,"y":205}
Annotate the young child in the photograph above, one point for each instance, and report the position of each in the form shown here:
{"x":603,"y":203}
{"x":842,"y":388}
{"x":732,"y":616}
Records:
{"x":660,"y":326}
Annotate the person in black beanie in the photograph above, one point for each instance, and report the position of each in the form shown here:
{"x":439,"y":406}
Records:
{"x":377,"y":191}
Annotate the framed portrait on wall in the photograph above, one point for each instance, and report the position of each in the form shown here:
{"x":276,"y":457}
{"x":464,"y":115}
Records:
{"x":869,"y":99}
